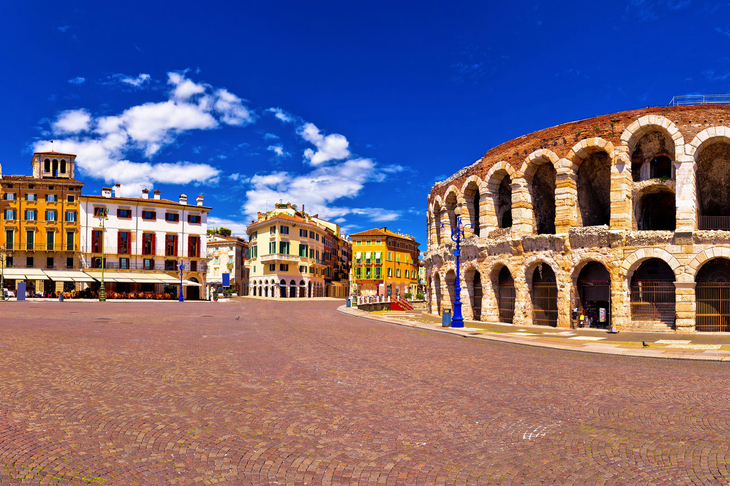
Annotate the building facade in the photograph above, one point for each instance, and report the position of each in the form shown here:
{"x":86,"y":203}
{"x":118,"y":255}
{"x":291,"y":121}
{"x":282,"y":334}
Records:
{"x":143,"y":241}
{"x":41,"y":228}
{"x":621,"y":221}
{"x":290,"y":257}
{"x":385,"y":263}
{"x":228,"y":254}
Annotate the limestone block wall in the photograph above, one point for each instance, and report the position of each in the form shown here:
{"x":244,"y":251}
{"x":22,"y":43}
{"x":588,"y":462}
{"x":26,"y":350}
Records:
{"x":634,"y":141}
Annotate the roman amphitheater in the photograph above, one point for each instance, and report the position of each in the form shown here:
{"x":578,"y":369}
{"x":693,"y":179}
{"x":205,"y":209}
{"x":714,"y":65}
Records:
{"x":622,"y":220}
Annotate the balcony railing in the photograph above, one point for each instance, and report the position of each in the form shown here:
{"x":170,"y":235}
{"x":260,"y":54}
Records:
{"x":25,"y":246}
{"x":157,"y":267}
{"x":273,"y":257}
{"x":714,"y":223}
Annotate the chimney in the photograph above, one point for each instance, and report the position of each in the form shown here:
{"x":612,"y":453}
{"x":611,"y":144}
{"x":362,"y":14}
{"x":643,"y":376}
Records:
{"x":145,"y":193}
{"x":117,"y":190}
{"x":106,"y":191}
{"x":183,"y":199}
{"x":199,"y":200}
{"x":157,"y":193}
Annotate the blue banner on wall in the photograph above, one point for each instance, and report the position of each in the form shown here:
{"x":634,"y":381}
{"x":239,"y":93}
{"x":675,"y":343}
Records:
{"x":226,"y":279}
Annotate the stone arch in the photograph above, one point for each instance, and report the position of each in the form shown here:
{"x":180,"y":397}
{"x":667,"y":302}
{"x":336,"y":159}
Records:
{"x":540,"y":171}
{"x":498,"y":195}
{"x":704,"y":256}
{"x":471,"y":193}
{"x":634,"y":261}
{"x":710,"y":153}
{"x":712,"y":295}
{"x":437,"y":209}
{"x":437,"y":291}
{"x":591,"y":160}
{"x":473,"y":284}
{"x":633,"y":135}
{"x":586,"y":147}
{"x":591,"y":295}
{"x":655,"y":209}
{"x":451,"y":203}
{"x":504,"y":292}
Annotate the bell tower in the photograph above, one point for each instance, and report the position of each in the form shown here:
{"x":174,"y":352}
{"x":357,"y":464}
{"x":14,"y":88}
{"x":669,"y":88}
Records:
{"x":53,"y":165}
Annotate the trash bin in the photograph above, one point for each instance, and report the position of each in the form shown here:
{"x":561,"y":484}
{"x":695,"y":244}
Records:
{"x":446,"y":318}
{"x":349,"y":302}
{"x":60,"y":297}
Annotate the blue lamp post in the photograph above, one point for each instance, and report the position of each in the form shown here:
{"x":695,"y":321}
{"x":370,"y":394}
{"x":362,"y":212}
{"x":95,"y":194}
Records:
{"x":457,"y":234}
{"x":182,"y":266}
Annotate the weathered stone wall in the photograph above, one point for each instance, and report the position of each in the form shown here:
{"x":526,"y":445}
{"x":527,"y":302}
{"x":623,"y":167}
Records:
{"x":574,"y":200}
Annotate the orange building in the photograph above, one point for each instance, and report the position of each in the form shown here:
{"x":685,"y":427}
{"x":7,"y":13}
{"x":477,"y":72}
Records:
{"x":384,"y":263}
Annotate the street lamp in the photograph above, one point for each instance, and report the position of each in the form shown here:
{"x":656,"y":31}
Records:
{"x":457,"y":234}
{"x":182,"y":265}
{"x":102,"y":218}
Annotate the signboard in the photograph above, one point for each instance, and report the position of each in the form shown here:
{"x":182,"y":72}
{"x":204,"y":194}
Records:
{"x":602,"y":314}
{"x":226,"y":279}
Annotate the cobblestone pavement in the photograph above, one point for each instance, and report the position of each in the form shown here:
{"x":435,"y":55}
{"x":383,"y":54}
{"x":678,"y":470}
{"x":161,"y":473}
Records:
{"x":297,"y":393}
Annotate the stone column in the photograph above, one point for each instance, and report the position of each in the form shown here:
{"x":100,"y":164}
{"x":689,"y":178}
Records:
{"x":564,"y":292}
{"x":490,"y":309}
{"x":522,"y":214}
{"x":686,"y":196}
{"x":685,"y":306}
{"x":620,"y":301}
{"x":621,"y":184}
{"x":523,"y":303}
{"x":566,"y":197}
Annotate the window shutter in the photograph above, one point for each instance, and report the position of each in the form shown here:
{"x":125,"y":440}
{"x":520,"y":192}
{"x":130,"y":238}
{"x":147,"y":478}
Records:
{"x":119,"y":212}
{"x":119,"y":242}
{"x":197,"y":246}
{"x":154,"y":243}
{"x":154,"y":215}
{"x":174,"y":239}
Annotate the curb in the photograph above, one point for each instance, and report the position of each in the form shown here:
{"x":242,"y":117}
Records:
{"x":595,"y":348}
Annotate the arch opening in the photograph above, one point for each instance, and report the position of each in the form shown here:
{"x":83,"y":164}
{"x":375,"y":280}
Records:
{"x":437,"y":222}
{"x":594,"y":292}
{"x":712,"y":295}
{"x":649,"y":160}
{"x":542,"y":192}
{"x":302,"y":289}
{"x":544,"y":295}
{"x":594,"y":190}
{"x":713,"y":187}
{"x":471,"y":196}
{"x":656,"y":209}
{"x":282,"y":288}
{"x":451,"y":288}
{"x":653,"y":292}
{"x":437,"y":292}
{"x":292,"y":289}
{"x":506,"y":295}
{"x":503,"y":202}
{"x":450,"y":206}
{"x":476,"y":296}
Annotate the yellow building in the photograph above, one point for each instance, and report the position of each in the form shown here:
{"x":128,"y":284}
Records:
{"x":40,"y":218}
{"x":384,"y":263}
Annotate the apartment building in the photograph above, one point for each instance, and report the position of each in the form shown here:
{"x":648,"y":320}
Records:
{"x":142,"y":242}
{"x":385,"y":263}
{"x":41,"y":228}
{"x":228,"y":254}
{"x":292,"y":255}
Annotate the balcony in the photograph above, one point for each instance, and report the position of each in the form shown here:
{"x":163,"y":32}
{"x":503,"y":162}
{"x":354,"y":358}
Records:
{"x":39,"y":247}
{"x":279,"y":257}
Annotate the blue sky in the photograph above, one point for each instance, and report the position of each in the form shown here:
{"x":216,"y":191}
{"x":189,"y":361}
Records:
{"x":354,"y":108}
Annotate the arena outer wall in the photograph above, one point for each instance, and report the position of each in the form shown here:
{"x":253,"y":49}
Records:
{"x":598,"y":190}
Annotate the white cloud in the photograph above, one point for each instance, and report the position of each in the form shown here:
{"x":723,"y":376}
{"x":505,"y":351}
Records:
{"x":137,"y":82}
{"x":102,"y":143}
{"x":330,"y":147}
{"x":278,"y":150}
{"x":235,"y":176}
{"x":72,"y":121}
{"x":270,"y":136}
{"x":281,"y":115}
{"x":77,"y":80}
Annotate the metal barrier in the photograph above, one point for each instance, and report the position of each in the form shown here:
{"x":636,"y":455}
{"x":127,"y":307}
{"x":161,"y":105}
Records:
{"x":653,"y":300}
{"x":545,"y":304}
{"x":713,"y":307}
{"x":507,"y":296}
{"x":716,"y":99}
{"x":714,"y":223}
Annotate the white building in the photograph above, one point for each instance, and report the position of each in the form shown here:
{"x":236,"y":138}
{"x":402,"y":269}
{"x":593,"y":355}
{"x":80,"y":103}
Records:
{"x":144,"y":240}
{"x":228,"y":254}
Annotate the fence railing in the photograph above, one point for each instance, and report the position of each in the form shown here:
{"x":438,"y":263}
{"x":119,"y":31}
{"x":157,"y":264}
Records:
{"x":716,"y":99}
{"x":714,"y":223}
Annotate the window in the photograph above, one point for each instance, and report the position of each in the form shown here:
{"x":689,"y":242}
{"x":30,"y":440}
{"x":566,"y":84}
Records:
{"x":272,"y":230}
{"x":148,"y":243}
{"x":123,"y":242}
{"x":49,"y":262}
{"x":317,"y":236}
{"x":98,"y":211}
{"x":29,"y":262}
{"x":170,"y":265}
{"x":367,"y":272}
{"x":70,"y":198}
{"x":51,"y":198}
{"x":254,"y":251}
{"x":50,"y":240}
{"x":29,"y":240}
{"x":397,"y":257}
{"x":368,"y":242}
{"x":124,"y":263}
{"x":124,"y":213}
{"x":272,"y":247}
{"x":194,"y":246}
{"x":217,"y":260}
{"x":9,"y":239}
{"x":283,"y":267}
{"x":171,"y":245}
{"x":10,"y":214}
{"x":397,"y":273}
{"x":284,"y":230}
{"x":284,"y":247}
{"x":254,"y":234}
{"x":30,"y":215}
{"x":9,"y":196}
{"x":50,"y":215}
{"x":70,"y":241}
{"x":96,"y":241}
{"x":311,"y":234}
{"x":69,"y":262}
{"x":9,"y":262}
{"x":70,"y":216}
{"x":303,"y":250}
{"x":311,"y":253}
{"x":302,"y":269}
{"x":194,"y":266}
{"x":194,"y":218}
{"x":390,"y":272}
{"x":406,"y":273}
{"x":149,"y":215}
{"x":302,"y":233}
{"x":272,"y":267}
{"x":377,"y":272}
{"x":149,"y":264}
{"x":30,"y":196}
